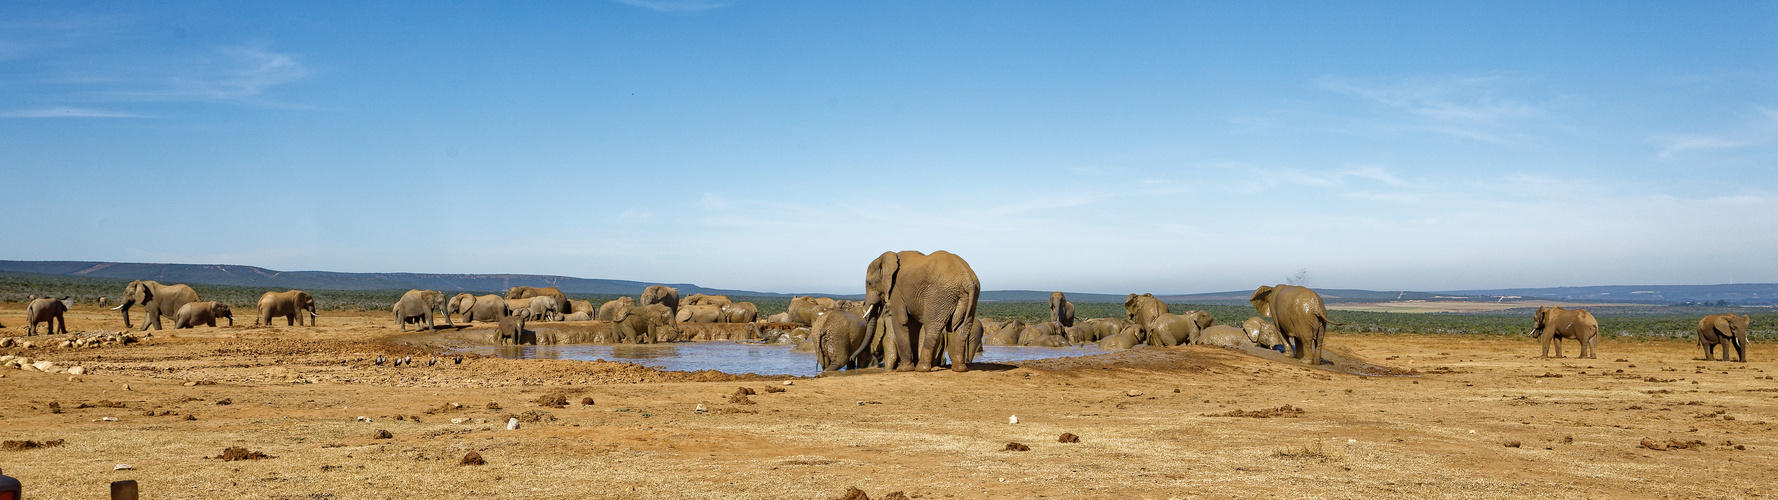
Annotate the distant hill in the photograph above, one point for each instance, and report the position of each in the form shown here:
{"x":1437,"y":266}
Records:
{"x":235,"y":275}
{"x":250,"y":276}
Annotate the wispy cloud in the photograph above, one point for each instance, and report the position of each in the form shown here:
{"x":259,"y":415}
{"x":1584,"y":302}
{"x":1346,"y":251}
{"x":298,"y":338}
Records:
{"x":675,"y":6}
{"x":1475,"y":107}
{"x":69,"y":112}
{"x":243,"y":75}
{"x":1759,"y":131}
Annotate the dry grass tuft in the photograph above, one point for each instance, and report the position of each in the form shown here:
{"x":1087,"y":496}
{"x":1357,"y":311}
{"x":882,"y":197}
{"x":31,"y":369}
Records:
{"x":1315,"y":452}
{"x":29,"y":445}
{"x":234,"y":453}
{"x":853,"y":493}
{"x":1015,"y":446}
{"x":1282,"y":411}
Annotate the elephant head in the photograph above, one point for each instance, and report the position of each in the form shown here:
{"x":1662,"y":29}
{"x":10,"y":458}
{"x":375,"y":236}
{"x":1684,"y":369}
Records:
{"x":137,"y":292}
{"x":461,"y":303}
{"x":221,"y":310}
{"x":1263,"y":333}
{"x":879,"y":281}
{"x":1061,"y":311}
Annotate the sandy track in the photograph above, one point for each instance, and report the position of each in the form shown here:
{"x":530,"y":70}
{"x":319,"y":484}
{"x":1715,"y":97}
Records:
{"x":294,"y":393}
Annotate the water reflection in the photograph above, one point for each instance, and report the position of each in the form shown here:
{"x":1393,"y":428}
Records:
{"x":738,"y":357}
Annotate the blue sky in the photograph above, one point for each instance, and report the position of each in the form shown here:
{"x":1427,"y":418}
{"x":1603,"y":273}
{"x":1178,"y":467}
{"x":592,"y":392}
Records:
{"x":1170,"y":147}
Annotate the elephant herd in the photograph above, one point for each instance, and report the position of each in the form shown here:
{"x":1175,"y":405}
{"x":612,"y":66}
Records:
{"x":1301,"y":323}
{"x":653,"y":318}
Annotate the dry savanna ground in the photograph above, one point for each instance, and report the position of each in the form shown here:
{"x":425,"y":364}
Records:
{"x":1483,"y":417}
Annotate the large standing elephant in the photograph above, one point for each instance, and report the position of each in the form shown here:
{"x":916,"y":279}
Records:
{"x":525,"y":292}
{"x":1142,"y":310}
{"x":699,"y":313}
{"x":923,"y":298}
{"x":841,"y":341}
{"x":663,"y":295}
{"x":1300,"y":316}
{"x":479,"y":308}
{"x":420,"y":306}
{"x":644,"y":324}
{"x":698,"y":298}
{"x":1727,"y":330}
{"x":1061,"y":310}
{"x":804,"y":308}
{"x":295,"y":306}
{"x":159,"y":300}
{"x":1554,"y":324}
{"x":204,"y":313}
{"x":740,"y":312}
{"x":47,"y":310}
{"x":608,"y":310}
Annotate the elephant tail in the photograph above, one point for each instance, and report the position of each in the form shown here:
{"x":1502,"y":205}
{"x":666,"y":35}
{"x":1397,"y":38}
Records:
{"x":964,"y":311}
{"x":1324,"y":321}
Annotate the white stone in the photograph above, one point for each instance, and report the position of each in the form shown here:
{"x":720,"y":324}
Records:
{"x":1012,"y":419}
{"x":78,"y":370}
{"x":123,"y":467}
{"x":459,"y":420}
{"x":512,"y":424}
{"x":44,"y":366}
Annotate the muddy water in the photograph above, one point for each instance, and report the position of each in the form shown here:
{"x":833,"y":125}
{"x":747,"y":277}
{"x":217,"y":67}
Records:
{"x":738,"y":357}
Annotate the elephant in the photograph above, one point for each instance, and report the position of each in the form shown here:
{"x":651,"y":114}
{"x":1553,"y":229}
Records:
{"x":1300,"y":316}
{"x":1002,"y":333}
{"x":783,"y":317}
{"x":539,"y":307}
{"x":1552,"y":324}
{"x":1045,"y":334}
{"x":740,"y":312}
{"x":525,"y":292}
{"x":699,"y":313}
{"x":781,"y":335}
{"x":1128,"y":337}
{"x":295,"y":306}
{"x":511,"y":329}
{"x":159,"y":300}
{"x":1264,"y":333}
{"x":585,"y":306}
{"x":698,"y":298}
{"x":579,"y":316}
{"x":923,"y":298}
{"x":644,"y":324}
{"x":663,"y":295}
{"x":47,"y":310}
{"x":803,"y":309}
{"x":610,"y":307}
{"x":204,"y":313}
{"x":1061,"y":310}
{"x":482,"y":308}
{"x":1726,"y":330}
{"x":1168,"y":329}
{"x":420,"y":306}
{"x":841,"y":341}
{"x":1141,"y":310}
{"x":1094,"y":329}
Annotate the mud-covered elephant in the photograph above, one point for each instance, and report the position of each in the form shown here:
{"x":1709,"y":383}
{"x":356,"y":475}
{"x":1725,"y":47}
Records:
{"x":295,"y":306}
{"x":1002,"y":333}
{"x":420,"y":307}
{"x":1128,"y":337}
{"x":1141,"y":310}
{"x":1264,"y":333}
{"x":202,"y":312}
{"x":47,"y":310}
{"x":511,"y":330}
{"x":740,"y":312}
{"x":579,"y":316}
{"x":608,"y":310}
{"x":1045,"y":334}
{"x":923,"y":298}
{"x":663,"y":295}
{"x":525,"y":292}
{"x":159,"y":300}
{"x":644,"y":324}
{"x":698,"y":298}
{"x":1552,"y":324}
{"x":1300,"y":317}
{"x":841,"y":341}
{"x":1170,"y":329}
{"x":699,"y":313}
{"x":1727,"y":330}
{"x":1061,"y":310}
{"x":1092,"y":330}
{"x":479,"y":308}
{"x":804,"y":308}
{"x":581,"y":306}
{"x":1255,"y":332}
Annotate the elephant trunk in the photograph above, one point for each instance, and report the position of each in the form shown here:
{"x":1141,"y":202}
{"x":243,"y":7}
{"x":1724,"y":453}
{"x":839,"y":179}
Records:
{"x":125,"y":307}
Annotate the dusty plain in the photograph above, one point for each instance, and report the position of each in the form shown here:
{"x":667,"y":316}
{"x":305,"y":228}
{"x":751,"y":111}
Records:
{"x":1483,"y":417}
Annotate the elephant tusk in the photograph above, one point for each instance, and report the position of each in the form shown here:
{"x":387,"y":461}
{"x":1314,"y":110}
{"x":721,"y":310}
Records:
{"x":315,"y":314}
{"x":119,"y":306}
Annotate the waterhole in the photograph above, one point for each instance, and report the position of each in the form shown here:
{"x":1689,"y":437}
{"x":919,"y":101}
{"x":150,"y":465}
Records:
{"x":738,"y":357}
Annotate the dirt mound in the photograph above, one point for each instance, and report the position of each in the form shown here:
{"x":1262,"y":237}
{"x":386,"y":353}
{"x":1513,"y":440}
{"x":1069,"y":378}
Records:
{"x":29,"y":445}
{"x":1672,"y":444}
{"x":473,"y":458}
{"x":1068,"y":437}
{"x":234,"y":453}
{"x":1282,"y":411}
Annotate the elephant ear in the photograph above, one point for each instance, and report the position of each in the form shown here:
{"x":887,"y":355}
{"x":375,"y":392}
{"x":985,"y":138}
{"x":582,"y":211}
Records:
{"x":1262,"y":301}
{"x":884,"y":270}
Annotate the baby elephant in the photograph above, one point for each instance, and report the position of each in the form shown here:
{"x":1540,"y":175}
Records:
{"x":204,"y":313}
{"x":50,"y":311}
{"x":1253,"y":332}
{"x":512,"y":329}
{"x":840,"y":340}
